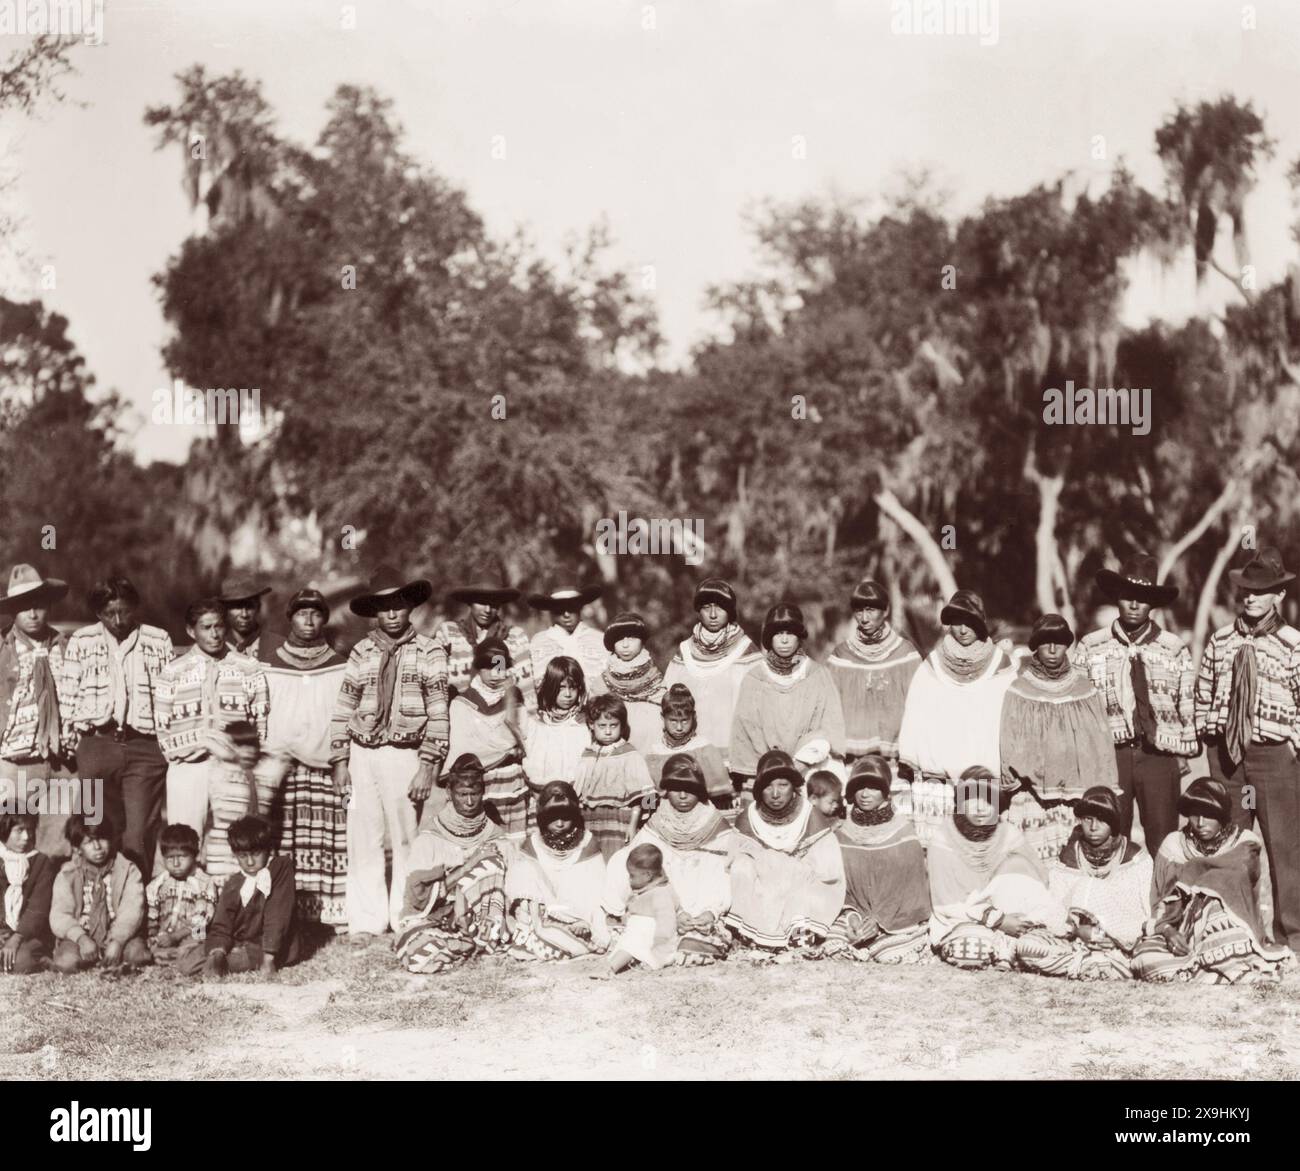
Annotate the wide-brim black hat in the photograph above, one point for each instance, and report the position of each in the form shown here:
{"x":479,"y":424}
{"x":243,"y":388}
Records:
{"x":387,"y":588}
{"x":1136,"y":579}
{"x":241,"y":588}
{"x":1264,"y":571}
{"x":484,"y":593}
{"x":567,"y":597}
{"x":27,"y":589}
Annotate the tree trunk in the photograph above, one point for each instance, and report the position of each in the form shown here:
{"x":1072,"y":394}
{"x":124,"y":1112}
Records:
{"x":1198,"y":530}
{"x":1200,"y":627}
{"x":933,"y":556}
{"x":1046,"y":555}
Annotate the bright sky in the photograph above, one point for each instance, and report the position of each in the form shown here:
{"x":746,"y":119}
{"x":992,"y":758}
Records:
{"x":669,"y":118}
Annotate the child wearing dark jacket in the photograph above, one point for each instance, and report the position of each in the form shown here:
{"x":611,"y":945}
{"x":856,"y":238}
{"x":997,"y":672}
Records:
{"x":254,"y":928}
{"x":26,"y":887}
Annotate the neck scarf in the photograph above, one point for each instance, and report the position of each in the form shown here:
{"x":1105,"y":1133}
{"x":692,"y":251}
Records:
{"x":636,"y":679}
{"x":390,"y":650}
{"x":1144,"y":716}
{"x":561,"y":843}
{"x":491,"y":695}
{"x":16,"y":869}
{"x":43,"y":690}
{"x":965,"y":663}
{"x":261,"y":881}
{"x":1227,"y":836}
{"x":1245,"y":683}
{"x":1099,"y":858}
{"x":780,"y":666}
{"x":475,"y":634}
{"x":96,"y":898}
{"x":242,"y":644}
{"x":684,"y":831}
{"x":877,"y":816}
{"x":876,"y":648}
{"x":121,"y":672}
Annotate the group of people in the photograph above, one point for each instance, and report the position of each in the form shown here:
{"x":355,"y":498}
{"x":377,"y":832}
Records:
{"x":475,"y":791}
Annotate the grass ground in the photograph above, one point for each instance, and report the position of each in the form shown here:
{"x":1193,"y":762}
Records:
{"x":350,"y":1013}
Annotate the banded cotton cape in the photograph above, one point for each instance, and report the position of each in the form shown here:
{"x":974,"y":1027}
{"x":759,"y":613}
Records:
{"x":872,"y":679}
{"x":553,"y":899}
{"x":886,"y":911}
{"x":707,"y":756}
{"x":787,"y":880}
{"x":555,"y":743}
{"x":787,"y":712}
{"x":713,"y":675}
{"x":303,"y":684}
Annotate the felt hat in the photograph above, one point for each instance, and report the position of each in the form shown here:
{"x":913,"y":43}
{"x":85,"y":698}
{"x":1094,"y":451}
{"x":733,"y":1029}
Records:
{"x":386,"y":587}
{"x":1208,"y":797}
{"x":869,"y":592}
{"x":714,"y":589}
{"x":868,"y":772}
{"x":625,"y":625}
{"x":773,"y":765}
{"x":308,"y":599}
{"x":1136,"y":579}
{"x":1264,"y":571}
{"x":27,"y":588}
{"x":565,"y":597}
{"x":782,"y":616}
{"x":966,"y":608}
{"x":682,"y":773}
{"x":1102,"y":803}
{"x":489,"y":652}
{"x":1050,"y":628}
{"x":484,"y":593}
{"x":241,"y":587}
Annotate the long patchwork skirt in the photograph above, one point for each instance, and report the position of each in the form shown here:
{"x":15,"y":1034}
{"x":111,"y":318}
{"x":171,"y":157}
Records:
{"x":611,"y":825}
{"x":1223,"y":950}
{"x":1048,"y":955}
{"x":1047,"y":825}
{"x":315,"y":829}
{"x":973,"y":946}
{"x":541,"y":934}
{"x":856,"y":936}
{"x":466,"y":920}
{"x":230,"y":798}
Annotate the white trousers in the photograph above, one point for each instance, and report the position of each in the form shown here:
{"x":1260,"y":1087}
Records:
{"x":187,"y":794}
{"x":380,"y":780}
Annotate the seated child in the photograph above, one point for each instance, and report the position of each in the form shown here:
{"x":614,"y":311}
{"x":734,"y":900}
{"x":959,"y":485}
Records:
{"x":613,"y":783}
{"x":650,"y":933}
{"x":26,"y":886}
{"x":97,"y":912}
{"x":182,"y":900}
{"x":253,"y":929}
{"x":244,"y":782}
{"x":824,"y":791}
{"x":680,"y":734}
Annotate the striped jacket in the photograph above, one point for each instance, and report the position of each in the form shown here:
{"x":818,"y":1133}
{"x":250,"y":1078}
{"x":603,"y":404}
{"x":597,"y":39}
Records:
{"x":460,"y":655}
{"x":418,"y":715}
{"x":183,"y":717}
{"x":1276,"y":716}
{"x":19,"y":731}
{"x":1170,"y":681}
{"x":85,"y":697}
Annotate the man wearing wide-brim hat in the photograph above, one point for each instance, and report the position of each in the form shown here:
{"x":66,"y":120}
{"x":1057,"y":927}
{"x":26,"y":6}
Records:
{"x":1145,"y":676}
{"x":568,"y":634}
{"x":242,"y":596}
{"x":388,"y":739}
{"x":32,"y":741}
{"x":1248,"y":713}
{"x":483,"y":619}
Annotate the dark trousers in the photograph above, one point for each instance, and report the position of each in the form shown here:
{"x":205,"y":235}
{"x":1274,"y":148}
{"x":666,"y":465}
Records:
{"x":134,"y":775}
{"x":1266,"y":784}
{"x":1152,"y":780}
